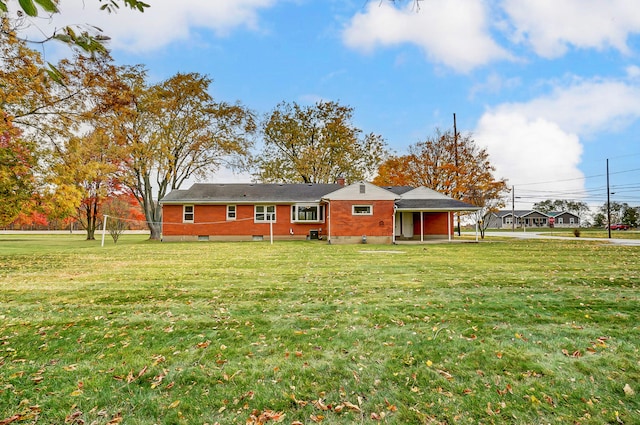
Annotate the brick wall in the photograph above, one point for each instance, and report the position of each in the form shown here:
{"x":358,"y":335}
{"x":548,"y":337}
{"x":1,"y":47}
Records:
{"x":435,"y":223}
{"x":344,"y":223}
{"x":211,"y":220}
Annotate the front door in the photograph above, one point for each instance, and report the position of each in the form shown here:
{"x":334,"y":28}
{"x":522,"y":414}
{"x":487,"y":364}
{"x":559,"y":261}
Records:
{"x":404,"y":224}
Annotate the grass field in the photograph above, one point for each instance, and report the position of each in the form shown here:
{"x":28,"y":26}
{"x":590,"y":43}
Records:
{"x":505,"y":332}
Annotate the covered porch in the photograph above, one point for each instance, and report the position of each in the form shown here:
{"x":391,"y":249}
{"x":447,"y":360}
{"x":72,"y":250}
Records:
{"x":423,"y":215}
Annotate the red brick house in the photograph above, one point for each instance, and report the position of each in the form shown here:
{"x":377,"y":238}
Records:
{"x":339,"y":214}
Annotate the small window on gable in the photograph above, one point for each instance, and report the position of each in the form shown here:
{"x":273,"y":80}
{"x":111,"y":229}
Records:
{"x":231,"y":212}
{"x":362,"y":210}
{"x":187,"y":214}
{"x":362,"y":188}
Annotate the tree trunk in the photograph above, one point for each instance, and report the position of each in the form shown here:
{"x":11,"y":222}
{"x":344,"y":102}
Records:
{"x":155,"y":231}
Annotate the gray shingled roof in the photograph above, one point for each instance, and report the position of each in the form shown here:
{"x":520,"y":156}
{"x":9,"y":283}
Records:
{"x":238,"y":193}
{"x":241,"y":192}
{"x":434,"y":204}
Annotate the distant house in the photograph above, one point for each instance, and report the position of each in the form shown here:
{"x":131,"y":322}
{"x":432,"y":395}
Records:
{"x":503,"y":219}
{"x":339,"y":214}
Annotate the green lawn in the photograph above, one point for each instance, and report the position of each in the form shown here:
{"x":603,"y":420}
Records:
{"x":504,"y":332}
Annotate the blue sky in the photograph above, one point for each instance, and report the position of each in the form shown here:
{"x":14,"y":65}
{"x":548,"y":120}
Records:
{"x":550,"y":87}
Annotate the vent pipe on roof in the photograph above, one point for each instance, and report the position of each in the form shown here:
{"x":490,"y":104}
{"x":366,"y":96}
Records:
{"x":340,"y":180}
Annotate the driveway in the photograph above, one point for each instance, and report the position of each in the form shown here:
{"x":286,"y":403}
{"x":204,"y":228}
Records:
{"x":539,"y":235}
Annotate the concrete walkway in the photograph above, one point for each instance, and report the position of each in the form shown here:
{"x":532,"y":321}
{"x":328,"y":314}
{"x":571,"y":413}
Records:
{"x":539,"y":235}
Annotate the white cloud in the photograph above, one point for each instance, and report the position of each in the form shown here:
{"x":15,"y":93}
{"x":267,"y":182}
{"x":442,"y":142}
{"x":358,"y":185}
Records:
{"x":541,"y":140}
{"x":162,"y":23}
{"x":584,"y":107}
{"x":551,"y":26}
{"x":452,"y":32}
{"x":527,"y":151}
{"x":633,"y":71}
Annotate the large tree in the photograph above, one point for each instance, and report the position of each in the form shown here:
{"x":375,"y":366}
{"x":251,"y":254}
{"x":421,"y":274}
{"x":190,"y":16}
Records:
{"x":451,"y":164}
{"x":17,"y":161}
{"x":578,"y":208}
{"x":44,"y":110}
{"x":173,"y":130}
{"x":316,"y":144}
{"x":85,"y":174}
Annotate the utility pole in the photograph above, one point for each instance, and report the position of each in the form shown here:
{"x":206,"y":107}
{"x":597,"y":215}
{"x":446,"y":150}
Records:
{"x":455,"y":145}
{"x":608,"y":202}
{"x":513,"y":208}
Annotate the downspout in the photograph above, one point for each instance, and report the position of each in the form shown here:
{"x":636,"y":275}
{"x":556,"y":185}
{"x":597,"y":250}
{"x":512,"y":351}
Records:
{"x":421,"y":226}
{"x":329,"y":222}
{"x":449,"y":225}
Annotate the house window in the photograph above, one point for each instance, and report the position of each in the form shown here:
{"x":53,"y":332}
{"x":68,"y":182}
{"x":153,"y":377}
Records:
{"x":362,"y":210}
{"x":231,"y":212}
{"x":187,"y":213}
{"x":560,"y":220}
{"x":307,"y":213}
{"x":571,"y":220}
{"x":508,"y":220}
{"x":265,"y":213}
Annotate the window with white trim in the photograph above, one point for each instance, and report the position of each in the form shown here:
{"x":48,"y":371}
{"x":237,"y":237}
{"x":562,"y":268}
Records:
{"x":265,"y":213}
{"x":307,"y":213}
{"x":231,"y":212}
{"x":572,"y":220}
{"x":362,"y":210}
{"x":187,"y":213}
{"x":560,"y":220}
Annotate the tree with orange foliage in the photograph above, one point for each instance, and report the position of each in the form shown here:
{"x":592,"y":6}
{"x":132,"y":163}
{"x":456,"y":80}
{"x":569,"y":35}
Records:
{"x":454,"y":166}
{"x":17,"y":160}
{"x":85,"y":175}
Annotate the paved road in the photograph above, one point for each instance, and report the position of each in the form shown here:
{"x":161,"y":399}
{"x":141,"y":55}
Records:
{"x":536,"y":235}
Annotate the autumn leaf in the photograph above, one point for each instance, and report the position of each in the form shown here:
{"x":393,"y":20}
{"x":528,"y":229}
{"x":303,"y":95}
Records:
{"x":446,"y":374}
{"x":318,"y":404}
{"x":390,"y":407}
{"x":174,"y":404}
{"x":116,"y":420}
{"x":352,"y":406}
{"x":316,"y":418}
{"x":73,"y":418}
{"x":628,"y":390}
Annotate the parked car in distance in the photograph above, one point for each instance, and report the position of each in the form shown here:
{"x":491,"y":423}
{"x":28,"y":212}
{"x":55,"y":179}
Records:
{"x":619,"y":226}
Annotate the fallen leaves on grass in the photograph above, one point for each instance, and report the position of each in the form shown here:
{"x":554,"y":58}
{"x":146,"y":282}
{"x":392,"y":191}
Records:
{"x":31,"y":413}
{"x":203,"y":344}
{"x":575,"y":354}
{"x":258,"y":418}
